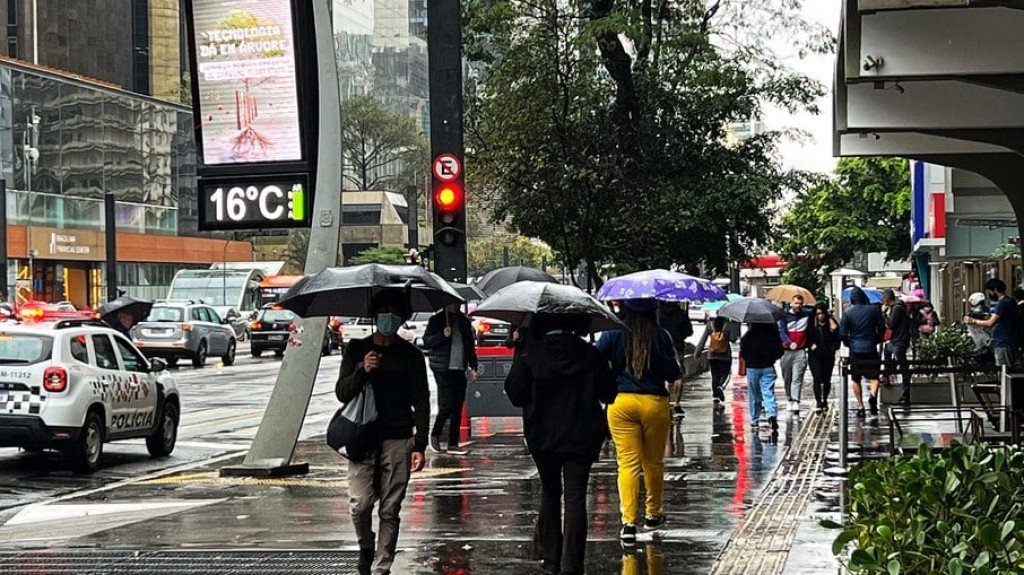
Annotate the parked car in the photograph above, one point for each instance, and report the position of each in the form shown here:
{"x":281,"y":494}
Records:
{"x":491,"y":332}
{"x":74,"y":384}
{"x":356,"y":328}
{"x":416,"y":326}
{"x":272,"y":329}
{"x":185,"y":330}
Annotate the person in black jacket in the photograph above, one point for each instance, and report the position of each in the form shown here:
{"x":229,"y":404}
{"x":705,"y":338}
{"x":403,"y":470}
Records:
{"x":760,"y":348}
{"x":861,"y":329}
{"x":451,"y":348}
{"x":900,"y":327}
{"x":676,"y":321}
{"x":560,"y":381}
{"x":822,"y":345}
{"x":395,"y":370}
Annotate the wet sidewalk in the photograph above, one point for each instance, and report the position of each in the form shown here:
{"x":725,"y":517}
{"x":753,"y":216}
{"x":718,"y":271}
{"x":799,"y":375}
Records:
{"x":463,"y":514}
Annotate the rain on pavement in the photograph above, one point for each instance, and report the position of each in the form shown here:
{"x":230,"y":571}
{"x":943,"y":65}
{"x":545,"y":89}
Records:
{"x":472,"y":512}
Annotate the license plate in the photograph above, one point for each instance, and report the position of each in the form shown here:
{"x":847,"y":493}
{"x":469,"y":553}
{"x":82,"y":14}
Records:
{"x":500,"y":330}
{"x":276,"y":338}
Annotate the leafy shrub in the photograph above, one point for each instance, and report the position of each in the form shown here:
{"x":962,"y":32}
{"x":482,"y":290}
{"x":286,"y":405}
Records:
{"x":949,"y":341}
{"x":954,"y":512}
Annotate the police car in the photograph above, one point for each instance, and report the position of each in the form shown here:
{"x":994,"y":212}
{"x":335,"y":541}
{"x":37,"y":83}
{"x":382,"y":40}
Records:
{"x":73,"y":384}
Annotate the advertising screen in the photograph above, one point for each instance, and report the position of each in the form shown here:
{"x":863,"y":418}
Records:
{"x":258,"y":202}
{"x":248,"y":102}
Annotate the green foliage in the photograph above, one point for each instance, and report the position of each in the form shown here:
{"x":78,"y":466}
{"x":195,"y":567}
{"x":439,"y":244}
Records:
{"x":374,"y":140}
{"x":954,"y":512}
{"x":488,"y":253}
{"x":379,"y":255}
{"x":601,"y":127}
{"x":1008,"y":251}
{"x":948,"y":342}
{"x":865,"y":207}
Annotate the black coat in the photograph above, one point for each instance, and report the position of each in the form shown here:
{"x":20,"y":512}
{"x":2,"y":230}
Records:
{"x":561,"y":381}
{"x":823,"y":338}
{"x":439,"y":347}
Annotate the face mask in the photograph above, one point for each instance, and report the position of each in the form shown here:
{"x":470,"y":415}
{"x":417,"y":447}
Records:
{"x":388,"y":324}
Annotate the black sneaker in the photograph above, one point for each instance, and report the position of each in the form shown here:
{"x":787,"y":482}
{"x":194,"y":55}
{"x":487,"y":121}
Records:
{"x":773,"y":423}
{"x":435,"y":444}
{"x":365,"y":561}
{"x":456,"y":450}
{"x":678,"y":412}
{"x":550,"y":568}
{"x":654,"y":521}
{"x":628,"y":533}
{"x":873,"y":404}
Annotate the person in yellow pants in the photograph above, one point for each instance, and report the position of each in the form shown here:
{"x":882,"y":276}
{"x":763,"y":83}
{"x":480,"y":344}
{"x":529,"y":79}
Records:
{"x":644,"y":362}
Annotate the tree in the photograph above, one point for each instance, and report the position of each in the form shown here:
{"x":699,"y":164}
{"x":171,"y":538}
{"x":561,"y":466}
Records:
{"x":379,"y":147}
{"x":864,"y":207}
{"x":380,"y":255}
{"x":601,"y":126}
{"x":488,"y":253}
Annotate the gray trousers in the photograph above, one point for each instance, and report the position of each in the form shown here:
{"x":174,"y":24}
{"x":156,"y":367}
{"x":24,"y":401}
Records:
{"x":391,"y":472}
{"x":794,"y":366}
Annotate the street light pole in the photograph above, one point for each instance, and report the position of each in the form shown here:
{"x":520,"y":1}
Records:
{"x":224,"y":273}
{"x":31,"y":156}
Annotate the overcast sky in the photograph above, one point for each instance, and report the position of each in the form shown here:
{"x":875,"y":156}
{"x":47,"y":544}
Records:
{"x":815,"y":154}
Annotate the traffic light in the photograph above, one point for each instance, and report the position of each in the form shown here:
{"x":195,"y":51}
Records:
{"x":449,"y":214}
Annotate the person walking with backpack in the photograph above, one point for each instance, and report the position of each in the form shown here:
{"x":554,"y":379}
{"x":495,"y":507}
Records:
{"x":451,"y":349}
{"x":560,"y":381}
{"x":822,"y":345}
{"x":644,"y":362}
{"x":718,"y":335}
{"x":793,"y":332}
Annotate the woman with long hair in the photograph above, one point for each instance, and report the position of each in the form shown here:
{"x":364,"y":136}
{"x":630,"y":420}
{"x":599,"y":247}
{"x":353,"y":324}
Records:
{"x":644,"y":363}
{"x":822,"y":345}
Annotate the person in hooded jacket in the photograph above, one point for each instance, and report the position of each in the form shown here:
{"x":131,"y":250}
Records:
{"x":822,"y":345}
{"x":644,"y":362}
{"x":560,"y":381}
{"x":451,"y":350}
{"x":861,"y":329}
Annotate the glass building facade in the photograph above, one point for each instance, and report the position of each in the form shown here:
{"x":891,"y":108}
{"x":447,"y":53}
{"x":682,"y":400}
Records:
{"x":64,"y":144}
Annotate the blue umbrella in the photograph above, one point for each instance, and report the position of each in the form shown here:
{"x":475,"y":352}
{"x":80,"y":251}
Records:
{"x":874,"y":294}
{"x":714,"y":305}
{"x":662,"y":285}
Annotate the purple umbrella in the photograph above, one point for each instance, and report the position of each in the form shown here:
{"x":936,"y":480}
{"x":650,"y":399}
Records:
{"x":661,"y":285}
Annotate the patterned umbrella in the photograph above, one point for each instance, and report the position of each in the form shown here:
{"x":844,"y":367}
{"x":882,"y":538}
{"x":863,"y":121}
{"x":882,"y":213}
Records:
{"x":662,"y":285}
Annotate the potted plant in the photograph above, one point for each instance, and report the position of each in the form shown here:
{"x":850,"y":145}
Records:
{"x":949,"y":344}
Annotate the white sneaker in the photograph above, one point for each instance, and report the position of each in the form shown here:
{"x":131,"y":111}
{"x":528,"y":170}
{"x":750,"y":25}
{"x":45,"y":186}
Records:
{"x":794,"y":406}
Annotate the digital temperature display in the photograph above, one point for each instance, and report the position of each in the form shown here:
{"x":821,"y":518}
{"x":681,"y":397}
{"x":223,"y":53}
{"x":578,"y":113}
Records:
{"x":280,"y":202}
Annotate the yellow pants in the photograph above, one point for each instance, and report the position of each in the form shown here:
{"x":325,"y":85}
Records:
{"x":631,"y":562}
{"x":639,"y":424}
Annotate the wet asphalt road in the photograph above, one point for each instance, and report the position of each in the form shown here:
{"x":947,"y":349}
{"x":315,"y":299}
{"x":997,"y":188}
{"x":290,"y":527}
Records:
{"x":221,"y":410}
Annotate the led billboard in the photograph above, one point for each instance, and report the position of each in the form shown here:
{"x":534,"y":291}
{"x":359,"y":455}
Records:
{"x":248,"y":105}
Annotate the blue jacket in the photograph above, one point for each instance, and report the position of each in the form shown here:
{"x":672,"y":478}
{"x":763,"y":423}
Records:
{"x":863,"y":325}
{"x":661,"y":366}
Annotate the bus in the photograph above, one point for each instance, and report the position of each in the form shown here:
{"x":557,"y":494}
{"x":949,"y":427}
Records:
{"x":225,"y":288}
{"x":271,"y":288}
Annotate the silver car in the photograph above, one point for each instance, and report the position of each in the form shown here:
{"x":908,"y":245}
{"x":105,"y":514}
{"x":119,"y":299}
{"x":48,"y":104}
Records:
{"x":185,"y":330}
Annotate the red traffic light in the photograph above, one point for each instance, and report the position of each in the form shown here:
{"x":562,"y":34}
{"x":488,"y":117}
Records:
{"x":448,"y":197}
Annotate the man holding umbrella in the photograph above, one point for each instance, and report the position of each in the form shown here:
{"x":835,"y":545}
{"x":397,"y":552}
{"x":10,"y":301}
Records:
{"x":395,"y":370}
{"x":450,"y":349}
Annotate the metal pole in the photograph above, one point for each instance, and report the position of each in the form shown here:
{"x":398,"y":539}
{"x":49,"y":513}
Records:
{"x":274,"y":444}
{"x":3,"y":238}
{"x":224,"y":273}
{"x":110,"y":229}
{"x":844,"y":404}
{"x":414,"y":218}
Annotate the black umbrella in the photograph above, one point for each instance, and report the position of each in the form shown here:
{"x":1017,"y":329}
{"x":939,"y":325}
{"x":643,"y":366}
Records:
{"x":468,"y":292}
{"x":518,"y":302}
{"x":751,"y":310}
{"x":348,"y":291}
{"x":139,"y":308}
{"x":494,"y":280}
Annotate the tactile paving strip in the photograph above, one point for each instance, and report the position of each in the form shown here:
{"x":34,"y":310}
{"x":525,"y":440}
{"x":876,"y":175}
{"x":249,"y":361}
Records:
{"x":764,"y":537}
{"x":228,"y":562}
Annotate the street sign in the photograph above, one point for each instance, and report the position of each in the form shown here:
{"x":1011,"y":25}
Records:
{"x":447,"y":167}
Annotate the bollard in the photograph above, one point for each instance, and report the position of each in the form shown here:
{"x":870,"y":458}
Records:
{"x":844,"y":409}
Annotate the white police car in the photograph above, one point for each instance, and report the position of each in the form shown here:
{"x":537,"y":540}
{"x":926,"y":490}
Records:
{"x":73,"y":384}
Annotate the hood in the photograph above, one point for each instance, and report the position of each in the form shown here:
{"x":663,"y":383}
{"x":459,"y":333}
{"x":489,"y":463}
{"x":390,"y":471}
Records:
{"x":566,"y":353}
{"x":858,"y":297}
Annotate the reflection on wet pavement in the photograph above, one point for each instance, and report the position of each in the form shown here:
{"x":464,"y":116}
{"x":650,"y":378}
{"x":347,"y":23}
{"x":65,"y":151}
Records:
{"x":475,"y":513}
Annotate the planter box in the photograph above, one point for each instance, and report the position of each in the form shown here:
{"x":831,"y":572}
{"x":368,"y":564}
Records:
{"x":924,"y":390}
